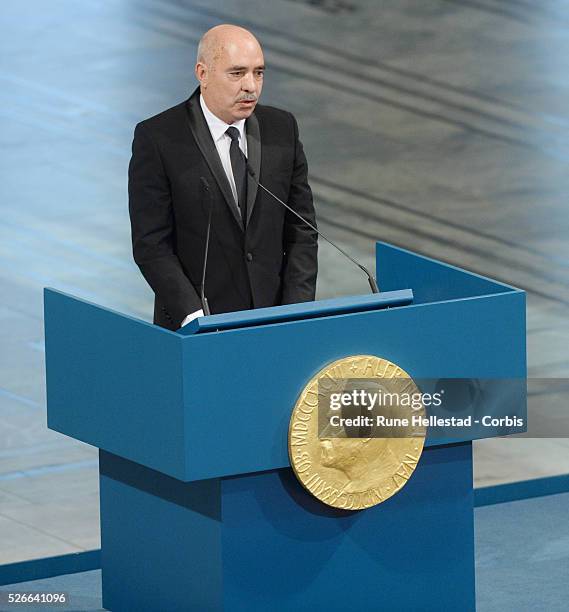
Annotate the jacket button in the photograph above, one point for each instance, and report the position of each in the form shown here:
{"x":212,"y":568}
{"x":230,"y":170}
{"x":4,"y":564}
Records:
{"x":249,"y":257}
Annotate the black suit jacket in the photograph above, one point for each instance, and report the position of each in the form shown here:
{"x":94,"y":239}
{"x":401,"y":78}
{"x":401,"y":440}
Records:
{"x":270,"y":260}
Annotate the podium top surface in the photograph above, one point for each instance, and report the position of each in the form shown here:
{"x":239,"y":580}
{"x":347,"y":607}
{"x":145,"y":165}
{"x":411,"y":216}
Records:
{"x":297,"y":312}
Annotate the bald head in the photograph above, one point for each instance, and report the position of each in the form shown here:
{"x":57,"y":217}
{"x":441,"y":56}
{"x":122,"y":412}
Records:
{"x":230,"y":68}
{"x":213,"y":42}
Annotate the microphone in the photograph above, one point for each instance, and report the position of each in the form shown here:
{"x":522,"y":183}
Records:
{"x":371,"y":280}
{"x":205,"y":305}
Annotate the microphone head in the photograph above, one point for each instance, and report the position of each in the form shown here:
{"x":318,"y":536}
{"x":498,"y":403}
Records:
{"x":251,"y":171}
{"x":204,"y":183}
{"x":247,"y":166}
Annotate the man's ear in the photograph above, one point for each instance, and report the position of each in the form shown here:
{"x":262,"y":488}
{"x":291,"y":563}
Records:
{"x":201,"y":74}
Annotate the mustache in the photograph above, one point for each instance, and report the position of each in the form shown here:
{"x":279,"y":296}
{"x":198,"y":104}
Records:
{"x":247,"y":98}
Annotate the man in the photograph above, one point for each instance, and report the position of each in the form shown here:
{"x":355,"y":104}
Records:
{"x":259,"y":253}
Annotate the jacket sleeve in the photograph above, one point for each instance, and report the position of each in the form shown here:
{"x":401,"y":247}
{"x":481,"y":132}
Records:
{"x":300,"y":242}
{"x":152,"y":225}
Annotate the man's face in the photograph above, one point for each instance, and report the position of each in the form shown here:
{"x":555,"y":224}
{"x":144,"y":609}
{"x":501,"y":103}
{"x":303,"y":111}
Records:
{"x":232,"y":82}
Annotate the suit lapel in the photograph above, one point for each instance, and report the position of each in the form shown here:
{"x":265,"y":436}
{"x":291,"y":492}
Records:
{"x":254,"y":159}
{"x":202,"y":136}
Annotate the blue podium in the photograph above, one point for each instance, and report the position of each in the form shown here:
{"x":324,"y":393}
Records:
{"x":200,"y":509}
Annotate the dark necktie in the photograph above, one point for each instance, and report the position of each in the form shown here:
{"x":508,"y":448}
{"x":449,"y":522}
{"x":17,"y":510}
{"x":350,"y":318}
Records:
{"x":239,"y":167}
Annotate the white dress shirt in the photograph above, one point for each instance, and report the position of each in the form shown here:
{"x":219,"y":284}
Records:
{"x":222,"y":141}
{"x":217,"y":128}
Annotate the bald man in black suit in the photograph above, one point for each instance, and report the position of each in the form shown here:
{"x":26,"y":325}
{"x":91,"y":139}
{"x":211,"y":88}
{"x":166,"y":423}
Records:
{"x":259,"y":253}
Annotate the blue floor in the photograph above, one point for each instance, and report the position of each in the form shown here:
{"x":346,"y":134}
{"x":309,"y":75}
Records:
{"x":522,"y":562}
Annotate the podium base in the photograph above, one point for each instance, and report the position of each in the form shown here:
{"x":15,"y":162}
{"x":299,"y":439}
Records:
{"x":260,"y":541}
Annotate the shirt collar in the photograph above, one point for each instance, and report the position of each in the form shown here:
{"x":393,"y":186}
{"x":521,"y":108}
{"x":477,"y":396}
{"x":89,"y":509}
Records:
{"x":217,"y":127}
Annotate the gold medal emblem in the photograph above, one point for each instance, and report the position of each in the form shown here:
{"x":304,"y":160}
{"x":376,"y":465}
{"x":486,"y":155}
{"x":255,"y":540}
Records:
{"x":362,"y":470}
